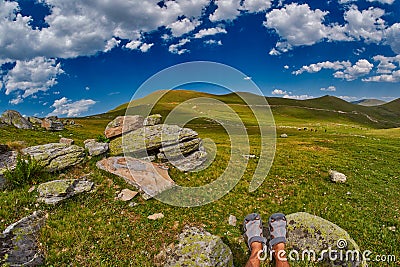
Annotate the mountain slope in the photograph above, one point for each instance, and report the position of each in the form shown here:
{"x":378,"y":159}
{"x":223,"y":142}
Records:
{"x":325,"y":108}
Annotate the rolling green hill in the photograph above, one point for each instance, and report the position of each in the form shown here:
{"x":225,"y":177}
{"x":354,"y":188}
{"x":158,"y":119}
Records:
{"x":325,"y":108}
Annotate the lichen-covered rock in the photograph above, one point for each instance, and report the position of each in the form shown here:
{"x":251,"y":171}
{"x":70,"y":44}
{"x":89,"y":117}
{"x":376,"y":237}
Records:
{"x":190,"y":162}
{"x":19,"y":242}
{"x":310,"y":232}
{"x":14,"y":118}
{"x":184,"y":148}
{"x":196,"y":247}
{"x":148,"y":177}
{"x":35,"y":120}
{"x":150,"y":138}
{"x":52,"y":124}
{"x":123,"y":124}
{"x":67,"y":141}
{"x":55,"y":191}
{"x":152,"y":120}
{"x":337,"y":177}
{"x":56,"y":156}
{"x":96,"y":148}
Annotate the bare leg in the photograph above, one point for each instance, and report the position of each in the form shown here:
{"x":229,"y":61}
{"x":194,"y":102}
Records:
{"x":254,"y":261}
{"x":279,"y":256}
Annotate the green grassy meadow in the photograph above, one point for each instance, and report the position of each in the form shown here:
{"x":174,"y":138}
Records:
{"x":93,"y":229}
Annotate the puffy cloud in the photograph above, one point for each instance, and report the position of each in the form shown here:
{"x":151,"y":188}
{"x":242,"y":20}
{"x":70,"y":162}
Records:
{"x":180,"y":27}
{"x":386,"y":64}
{"x":176,"y":48}
{"x":111,"y":44}
{"x":227,"y":10}
{"x":297,"y":24}
{"x":145,"y":47}
{"x":278,"y":92}
{"x":337,"y":65}
{"x":361,"y":68}
{"x":393,"y":37}
{"x":329,"y":89}
{"x":366,"y":24}
{"x":64,"y":106}
{"x":82,"y":28}
{"x":210,"y":31}
{"x":256,"y":5}
{"x":138,"y":45}
{"x":344,"y":69}
{"x":32,"y":76}
{"x":393,"y":77}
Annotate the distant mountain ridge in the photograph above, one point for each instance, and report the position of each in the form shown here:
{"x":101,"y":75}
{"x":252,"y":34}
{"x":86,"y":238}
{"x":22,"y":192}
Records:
{"x":369,"y":102}
{"x":325,"y":108}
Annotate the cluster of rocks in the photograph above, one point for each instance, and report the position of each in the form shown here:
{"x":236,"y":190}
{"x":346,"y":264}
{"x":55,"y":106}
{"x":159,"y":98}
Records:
{"x":146,"y":138}
{"x":14,"y":118}
{"x":52,"y":124}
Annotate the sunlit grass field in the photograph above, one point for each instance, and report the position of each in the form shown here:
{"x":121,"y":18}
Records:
{"x":93,"y":229}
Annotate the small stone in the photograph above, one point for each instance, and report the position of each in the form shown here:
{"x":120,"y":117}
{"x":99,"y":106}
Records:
{"x":126,"y":195}
{"x":152,"y":120}
{"x":67,"y":141}
{"x":337,"y":177}
{"x":284,"y":135}
{"x":132,"y":204}
{"x":392,"y":228}
{"x":155,"y":216}
{"x":348,"y":193}
{"x":232,"y":220}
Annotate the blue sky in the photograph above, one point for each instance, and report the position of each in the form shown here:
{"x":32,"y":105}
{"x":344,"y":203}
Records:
{"x":80,"y":57}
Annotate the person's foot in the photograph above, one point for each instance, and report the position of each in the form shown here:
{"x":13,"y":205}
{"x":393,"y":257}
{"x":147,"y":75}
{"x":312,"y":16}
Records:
{"x":277,"y":229}
{"x":253,"y":230}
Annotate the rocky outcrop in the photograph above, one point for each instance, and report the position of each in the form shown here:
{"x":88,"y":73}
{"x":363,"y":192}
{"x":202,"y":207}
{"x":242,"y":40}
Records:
{"x":312,"y":233}
{"x":96,"y":148}
{"x":123,"y":124}
{"x":190,"y":162}
{"x":52,"y":124}
{"x":152,"y":120}
{"x":55,"y":191}
{"x":19,"y":243}
{"x":56,"y":156}
{"x":337,"y":177}
{"x":196,"y":247}
{"x":14,"y":118}
{"x":150,"y":138}
{"x":150,"y":178}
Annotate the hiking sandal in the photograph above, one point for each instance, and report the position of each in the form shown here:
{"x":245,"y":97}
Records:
{"x":277,"y":229}
{"x":253,"y":229}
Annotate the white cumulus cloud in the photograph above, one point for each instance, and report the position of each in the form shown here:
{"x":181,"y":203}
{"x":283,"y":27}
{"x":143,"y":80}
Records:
{"x":209,"y":32}
{"x":183,"y":26}
{"x":278,"y":92}
{"x":227,"y":10}
{"x":329,"y":89}
{"x":32,"y":76}
{"x":177,"y":48}
{"x":65,"y":106}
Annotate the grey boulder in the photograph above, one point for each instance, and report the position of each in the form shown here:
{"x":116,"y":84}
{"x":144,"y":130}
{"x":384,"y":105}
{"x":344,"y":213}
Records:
{"x":123,"y":124}
{"x":337,"y":177}
{"x":19,"y":243}
{"x":96,"y":148}
{"x":56,"y":156}
{"x":152,"y":120}
{"x":14,"y":118}
{"x":55,"y":191}
{"x":308,"y":232}
{"x":52,"y":124}
{"x":196,"y":247}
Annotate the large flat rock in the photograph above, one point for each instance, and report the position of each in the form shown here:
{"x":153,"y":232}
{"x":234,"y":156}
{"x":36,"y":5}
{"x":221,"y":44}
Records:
{"x":150,"y":138}
{"x":56,"y":156}
{"x":149,"y":177}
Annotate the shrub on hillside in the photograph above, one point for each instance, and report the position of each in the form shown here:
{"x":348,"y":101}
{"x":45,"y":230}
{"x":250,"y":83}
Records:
{"x":102,"y":139}
{"x":26,"y":171}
